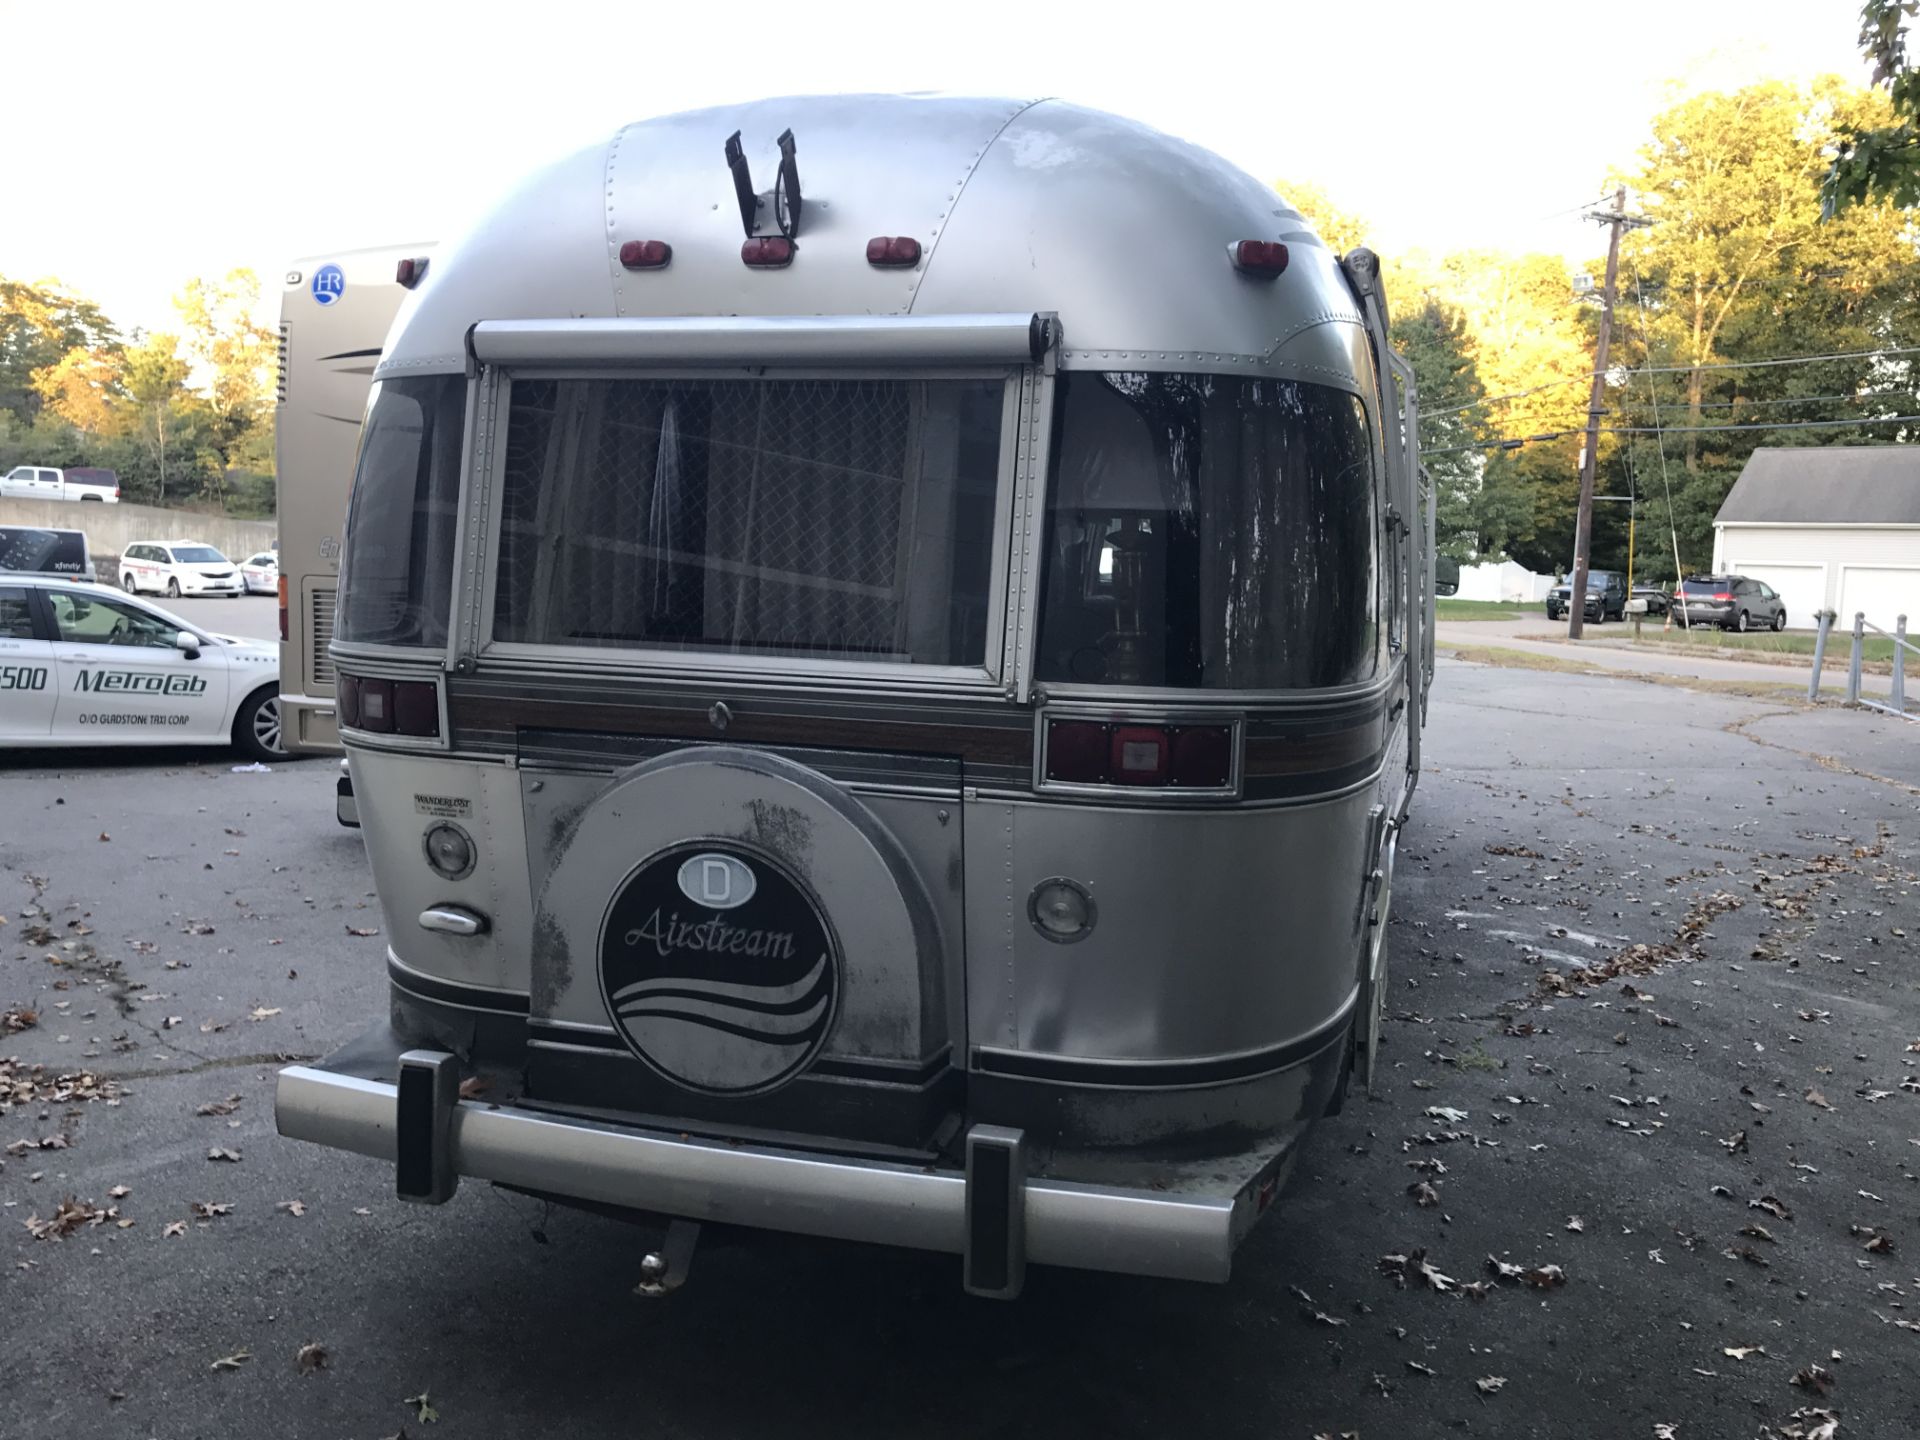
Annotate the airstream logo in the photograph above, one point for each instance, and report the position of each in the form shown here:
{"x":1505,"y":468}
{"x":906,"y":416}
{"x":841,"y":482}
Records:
{"x":328,"y":285}
{"x":718,"y":970}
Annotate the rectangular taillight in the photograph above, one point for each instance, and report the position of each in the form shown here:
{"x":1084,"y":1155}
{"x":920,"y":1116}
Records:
{"x":282,"y":589}
{"x":1140,"y":756}
{"x":389,"y":707}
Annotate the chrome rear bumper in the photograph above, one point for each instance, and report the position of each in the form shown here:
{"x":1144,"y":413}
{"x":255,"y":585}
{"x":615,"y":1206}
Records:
{"x":1184,"y":1231}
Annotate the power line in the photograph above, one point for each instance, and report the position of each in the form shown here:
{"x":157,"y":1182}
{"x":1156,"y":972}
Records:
{"x":1587,"y":376}
{"x":1680,"y":430}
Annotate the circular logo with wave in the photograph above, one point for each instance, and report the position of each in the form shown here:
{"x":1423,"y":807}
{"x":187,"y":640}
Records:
{"x":718,"y":970}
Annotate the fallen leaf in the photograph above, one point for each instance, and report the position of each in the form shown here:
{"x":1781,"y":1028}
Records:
{"x":231,"y":1362}
{"x":1666,"y":1430}
{"x":1771,"y":1206}
{"x":220,"y":1107}
{"x":295,"y":1208}
{"x":1759,"y":1232}
{"x":1413,"y":1267}
{"x":311,"y":1357}
{"x":220,"y":1152}
{"x":263,"y":1012}
{"x":208,"y":1209}
{"x":423,"y":1408}
{"x":174,"y":1228}
{"x":119,"y":1192}
{"x":363,"y":934}
{"x":1446,"y":1113}
{"x":1815,"y":1378}
{"x":1424,"y":1195}
{"x":1320,"y":1317}
{"x":1814,"y":1097}
{"x":1576,"y":1225}
{"x":1740,"y":1352}
{"x":1490,"y":1384}
{"x":12,"y":1022}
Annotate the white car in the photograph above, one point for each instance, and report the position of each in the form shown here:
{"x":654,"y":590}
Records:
{"x":178,"y":567}
{"x":83,"y":665}
{"x":261,"y":573}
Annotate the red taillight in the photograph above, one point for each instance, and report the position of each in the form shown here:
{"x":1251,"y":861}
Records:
{"x":347,"y":697}
{"x":645,"y":254}
{"x":1722,"y":595}
{"x":416,"y":708}
{"x":767,"y":252}
{"x":1077,"y":752}
{"x":410,"y":272}
{"x":1184,"y":757}
{"x":1203,"y":756}
{"x":282,"y":588}
{"x":1138,"y":755}
{"x":1259,"y":257}
{"x":891,"y":250}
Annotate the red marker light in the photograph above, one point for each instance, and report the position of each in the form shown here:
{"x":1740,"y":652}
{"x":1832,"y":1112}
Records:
{"x":1139,"y":755}
{"x":1077,"y":752}
{"x":767,"y":252}
{"x":1263,"y":258}
{"x":893,"y":251}
{"x":409,"y":273}
{"x":1203,"y":756}
{"x":645,"y":254}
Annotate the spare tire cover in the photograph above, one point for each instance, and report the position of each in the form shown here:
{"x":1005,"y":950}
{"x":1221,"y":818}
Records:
{"x":732,"y":915}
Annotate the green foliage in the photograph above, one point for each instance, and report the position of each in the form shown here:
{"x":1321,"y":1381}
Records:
{"x":39,"y":324}
{"x":1880,"y":161}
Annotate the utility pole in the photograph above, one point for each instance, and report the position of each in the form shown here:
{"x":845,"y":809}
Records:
{"x":1617,"y":223}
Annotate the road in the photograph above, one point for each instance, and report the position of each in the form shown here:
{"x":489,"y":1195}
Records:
{"x":1562,"y":818}
{"x":251,"y":617}
{"x":1609,"y":647}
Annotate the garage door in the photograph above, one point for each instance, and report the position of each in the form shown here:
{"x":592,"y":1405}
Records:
{"x":1803,"y":587}
{"x":1882,"y":591}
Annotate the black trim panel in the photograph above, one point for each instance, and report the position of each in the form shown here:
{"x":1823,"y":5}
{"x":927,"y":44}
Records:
{"x":1160,"y":1074}
{"x":451,"y":992}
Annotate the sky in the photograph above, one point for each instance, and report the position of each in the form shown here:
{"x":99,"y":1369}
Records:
{"x":186,"y":139}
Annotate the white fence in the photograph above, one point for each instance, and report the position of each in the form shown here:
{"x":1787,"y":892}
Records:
{"x":1502,"y":580}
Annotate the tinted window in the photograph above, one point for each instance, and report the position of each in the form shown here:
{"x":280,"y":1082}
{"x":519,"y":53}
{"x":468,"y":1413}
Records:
{"x":829,"y":518}
{"x":198,"y":555}
{"x":1707,"y":587}
{"x":396,"y":570}
{"x":89,"y":620}
{"x":1209,"y":531}
{"x":16,"y":618}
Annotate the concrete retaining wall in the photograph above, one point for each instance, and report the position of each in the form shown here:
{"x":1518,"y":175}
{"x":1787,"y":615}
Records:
{"x":111,"y":528}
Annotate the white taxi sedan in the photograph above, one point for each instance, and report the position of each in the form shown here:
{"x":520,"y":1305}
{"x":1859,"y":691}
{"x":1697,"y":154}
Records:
{"x":83,"y":665}
{"x":261,"y":573}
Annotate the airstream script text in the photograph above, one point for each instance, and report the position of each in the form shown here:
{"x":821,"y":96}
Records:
{"x":714,"y":936}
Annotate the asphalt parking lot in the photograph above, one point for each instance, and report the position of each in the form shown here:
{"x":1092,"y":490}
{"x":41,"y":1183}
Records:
{"x":1655,"y":1024}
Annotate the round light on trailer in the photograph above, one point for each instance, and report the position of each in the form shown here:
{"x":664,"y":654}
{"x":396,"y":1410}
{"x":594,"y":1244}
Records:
{"x":450,"y":851}
{"x":1061,"y":910}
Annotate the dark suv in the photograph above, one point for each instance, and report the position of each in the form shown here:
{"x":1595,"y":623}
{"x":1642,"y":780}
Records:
{"x":1732,"y":602}
{"x":1606,"y":596}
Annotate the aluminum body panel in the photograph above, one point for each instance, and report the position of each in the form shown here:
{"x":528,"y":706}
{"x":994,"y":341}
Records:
{"x":893,"y":1002}
{"x":1219,"y":932}
{"x":1175,"y":1232}
{"x":728,"y":341}
{"x":400,"y":797}
{"x":1018,"y":206}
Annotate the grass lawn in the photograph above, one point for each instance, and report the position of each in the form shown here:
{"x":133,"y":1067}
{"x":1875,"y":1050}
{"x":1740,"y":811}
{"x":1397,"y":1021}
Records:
{"x":1448,"y":608}
{"x":1785,"y":642}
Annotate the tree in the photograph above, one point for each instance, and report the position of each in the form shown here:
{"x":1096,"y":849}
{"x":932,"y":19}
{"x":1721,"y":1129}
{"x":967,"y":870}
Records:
{"x":80,"y":389}
{"x":39,"y":325}
{"x":1880,"y":160}
{"x":233,"y":357}
{"x":167,"y":420}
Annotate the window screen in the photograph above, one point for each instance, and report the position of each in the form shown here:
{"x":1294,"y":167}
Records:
{"x":1208,"y":531}
{"x":827,"y":518}
{"x":396,"y":570}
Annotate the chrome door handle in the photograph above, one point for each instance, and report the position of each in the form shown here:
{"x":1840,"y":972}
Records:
{"x":453,"y":920}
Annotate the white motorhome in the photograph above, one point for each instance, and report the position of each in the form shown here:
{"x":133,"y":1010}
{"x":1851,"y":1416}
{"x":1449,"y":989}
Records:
{"x":883,"y":643}
{"x":335,"y":310}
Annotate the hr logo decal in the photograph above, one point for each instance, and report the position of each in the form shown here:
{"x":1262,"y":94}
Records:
{"x":718,"y":970}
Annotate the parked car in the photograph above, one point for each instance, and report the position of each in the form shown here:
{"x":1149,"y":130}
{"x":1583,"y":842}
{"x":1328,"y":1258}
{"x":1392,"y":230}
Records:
{"x":1606,"y":596}
{"x":43,"y":482}
{"x":82,"y":665}
{"x":1732,"y":602}
{"x":260,"y":574}
{"x":31,"y":550}
{"x":177,"y":568}
{"x":1659,"y":602}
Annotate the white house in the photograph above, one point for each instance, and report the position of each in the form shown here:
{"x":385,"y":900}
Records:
{"x":1830,"y":528}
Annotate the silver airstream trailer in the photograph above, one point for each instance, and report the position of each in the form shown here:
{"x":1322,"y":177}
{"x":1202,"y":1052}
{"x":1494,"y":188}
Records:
{"x":882,"y":643}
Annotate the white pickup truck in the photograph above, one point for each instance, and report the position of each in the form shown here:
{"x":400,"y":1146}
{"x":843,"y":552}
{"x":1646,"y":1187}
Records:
{"x":43,"y":482}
